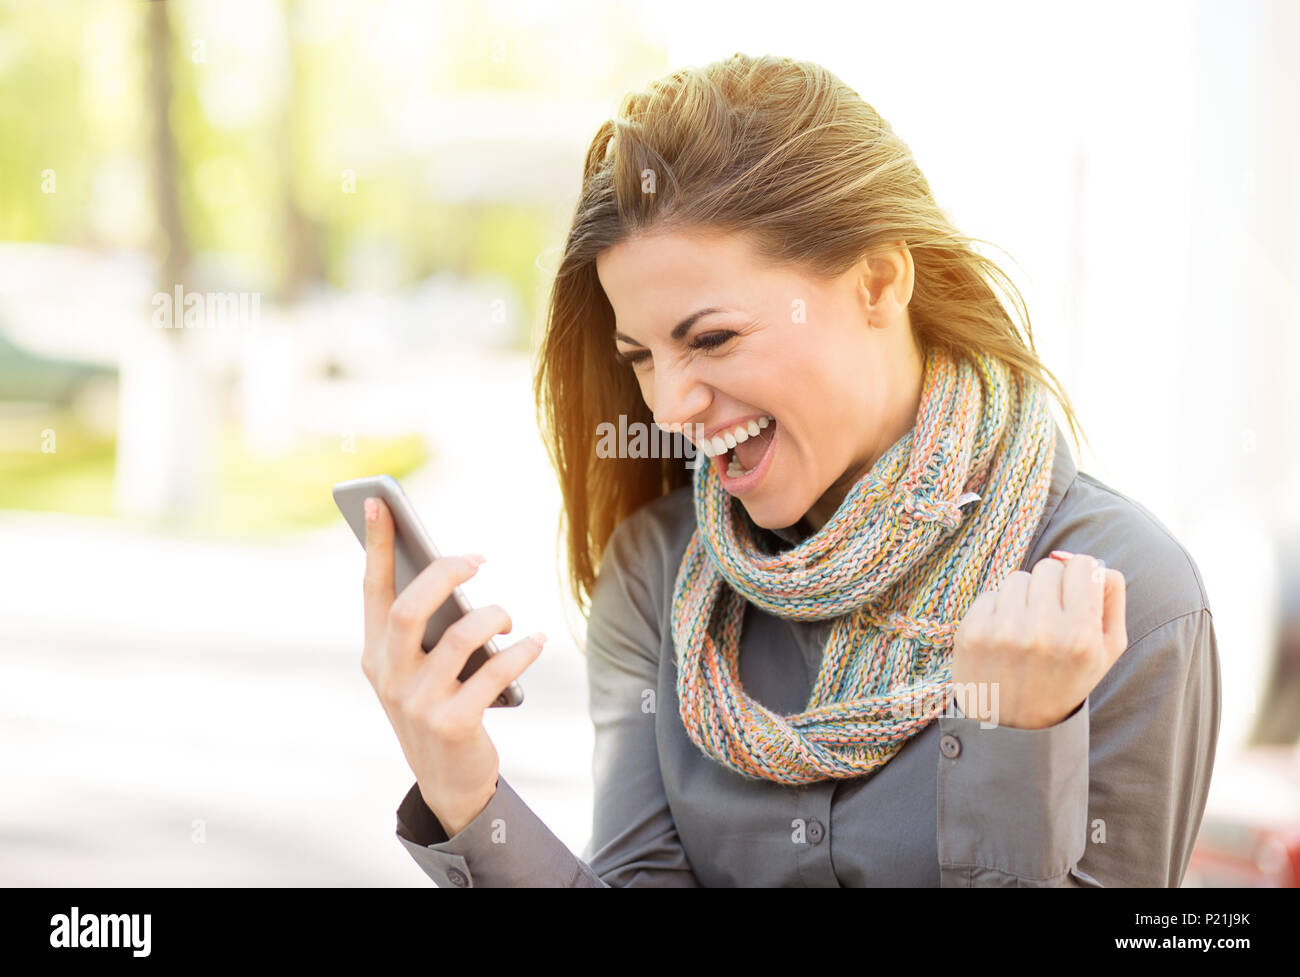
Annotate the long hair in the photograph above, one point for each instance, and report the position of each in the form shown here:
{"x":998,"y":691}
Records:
{"x":781,"y":151}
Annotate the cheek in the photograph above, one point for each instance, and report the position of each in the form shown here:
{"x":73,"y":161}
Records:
{"x":823,"y":414}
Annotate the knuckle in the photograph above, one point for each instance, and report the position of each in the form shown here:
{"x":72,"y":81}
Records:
{"x":497,"y":668}
{"x":1040,"y":642}
{"x":391,"y":695}
{"x":1005,"y":634}
{"x":1059,"y":640}
{"x":1075,"y":642}
{"x":459,"y":636}
{"x":434,"y":722}
{"x":1080,"y":659}
{"x":1083,"y":638}
{"x":500,"y":614}
{"x":1042,"y":639}
{"x":978,"y":627}
{"x":445,"y":724}
{"x":402,"y":615}
{"x":981,"y":632}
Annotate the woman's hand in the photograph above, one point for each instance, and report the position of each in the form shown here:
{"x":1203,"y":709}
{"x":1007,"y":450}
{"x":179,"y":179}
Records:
{"x":437,"y":718}
{"x":1044,"y":639}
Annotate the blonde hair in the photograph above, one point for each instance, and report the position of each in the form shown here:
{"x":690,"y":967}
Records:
{"x":781,"y":151}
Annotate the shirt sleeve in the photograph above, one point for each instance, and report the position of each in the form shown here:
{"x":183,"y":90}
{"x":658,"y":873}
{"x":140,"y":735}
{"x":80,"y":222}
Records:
{"x":633,"y":842}
{"x":505,"y":845}
{"x":1113,"y":795}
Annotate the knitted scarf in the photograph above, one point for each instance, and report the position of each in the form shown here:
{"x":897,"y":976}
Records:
{"x":896,"y":567}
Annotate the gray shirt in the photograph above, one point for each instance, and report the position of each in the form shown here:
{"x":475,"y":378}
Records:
{"x":1112,"y":795}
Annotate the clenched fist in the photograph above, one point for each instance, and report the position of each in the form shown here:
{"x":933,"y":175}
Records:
{"x":1045,"y":638}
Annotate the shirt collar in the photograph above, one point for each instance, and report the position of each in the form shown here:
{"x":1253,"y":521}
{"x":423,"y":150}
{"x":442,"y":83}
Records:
{"x":1063,"y":471}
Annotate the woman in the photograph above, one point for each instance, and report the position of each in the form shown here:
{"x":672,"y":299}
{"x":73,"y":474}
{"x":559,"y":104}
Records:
{"x":885,"y":633}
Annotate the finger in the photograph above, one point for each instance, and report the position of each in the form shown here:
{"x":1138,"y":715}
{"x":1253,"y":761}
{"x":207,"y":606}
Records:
{"x":982,"y":605}
{"x":420,"y":599}
{"x":1082,"y":591}
{"x":1045,"y":586}
{"x":483,"y":687}
{"x":978,"y":610}
{"x":1114,"y":628}
{"x":971,"y":623}
{"x":1013,"y":593}
{"x":460,"y":641}
{"x":378,"y":584}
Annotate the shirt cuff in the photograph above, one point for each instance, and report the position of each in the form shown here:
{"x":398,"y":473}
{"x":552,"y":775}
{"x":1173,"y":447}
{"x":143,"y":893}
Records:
{"x":1012,"y":803}
{"x":506,"y":844}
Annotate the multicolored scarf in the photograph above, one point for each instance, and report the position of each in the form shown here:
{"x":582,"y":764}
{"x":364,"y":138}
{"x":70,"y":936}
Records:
{"x":896,"y":567}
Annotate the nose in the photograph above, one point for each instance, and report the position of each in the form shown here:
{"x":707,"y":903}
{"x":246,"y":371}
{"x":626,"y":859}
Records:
{"x":678,"y":398}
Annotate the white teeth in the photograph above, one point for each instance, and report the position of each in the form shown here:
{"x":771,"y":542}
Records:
{"x":740,"y":435}
{"x":724,"y":442}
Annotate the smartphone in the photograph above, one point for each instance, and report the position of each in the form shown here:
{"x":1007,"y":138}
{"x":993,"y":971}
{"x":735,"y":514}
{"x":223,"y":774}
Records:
{"x":413,"y":550}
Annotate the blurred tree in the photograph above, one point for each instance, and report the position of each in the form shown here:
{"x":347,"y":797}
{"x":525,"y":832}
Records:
{"x":172,"y":243}
{"x":166,"y":434}
{"x":301,"y":232}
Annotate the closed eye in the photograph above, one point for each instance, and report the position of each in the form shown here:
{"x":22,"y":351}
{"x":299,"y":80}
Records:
{"x":711,"y":340}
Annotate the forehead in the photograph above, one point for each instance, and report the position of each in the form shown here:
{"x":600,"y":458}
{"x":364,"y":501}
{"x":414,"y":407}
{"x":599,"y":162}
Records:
{"x":655,"y":280}
{"x":688,"y":257}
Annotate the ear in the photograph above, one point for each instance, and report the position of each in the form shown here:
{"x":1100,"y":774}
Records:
{"x":886,"y":283}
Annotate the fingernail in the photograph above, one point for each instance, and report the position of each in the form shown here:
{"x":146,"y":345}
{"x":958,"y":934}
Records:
{"x":1062,"y":555}
{"x":539,"y":637}
{"x":372,"y":510}
{"x":478,"y":559}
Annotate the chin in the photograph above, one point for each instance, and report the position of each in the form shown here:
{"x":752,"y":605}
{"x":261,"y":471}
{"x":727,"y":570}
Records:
{"x":772,"y":516}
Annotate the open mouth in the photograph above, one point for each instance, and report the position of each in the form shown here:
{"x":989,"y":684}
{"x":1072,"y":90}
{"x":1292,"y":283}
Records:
{"x":742,"y":466}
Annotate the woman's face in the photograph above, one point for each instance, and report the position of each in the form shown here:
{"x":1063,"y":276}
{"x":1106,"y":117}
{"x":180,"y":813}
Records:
{"x":833,"y":363}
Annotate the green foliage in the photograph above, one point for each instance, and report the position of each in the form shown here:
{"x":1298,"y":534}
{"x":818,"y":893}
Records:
{"x":76,"y":477}
{"x":265,"y":190}
{"x":253,"y":494}
{"x":292,"y":490}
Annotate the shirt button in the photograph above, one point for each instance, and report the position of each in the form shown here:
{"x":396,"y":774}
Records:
{"x":815,"y":831}
{"x":457,"y":877}
{"x":949,"y":746}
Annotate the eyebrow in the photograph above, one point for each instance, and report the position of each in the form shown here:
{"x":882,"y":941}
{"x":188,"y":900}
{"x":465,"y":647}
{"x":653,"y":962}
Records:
{"x":680,"y":329}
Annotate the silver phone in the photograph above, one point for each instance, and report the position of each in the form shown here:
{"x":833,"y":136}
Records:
{"x":413,"y":550}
